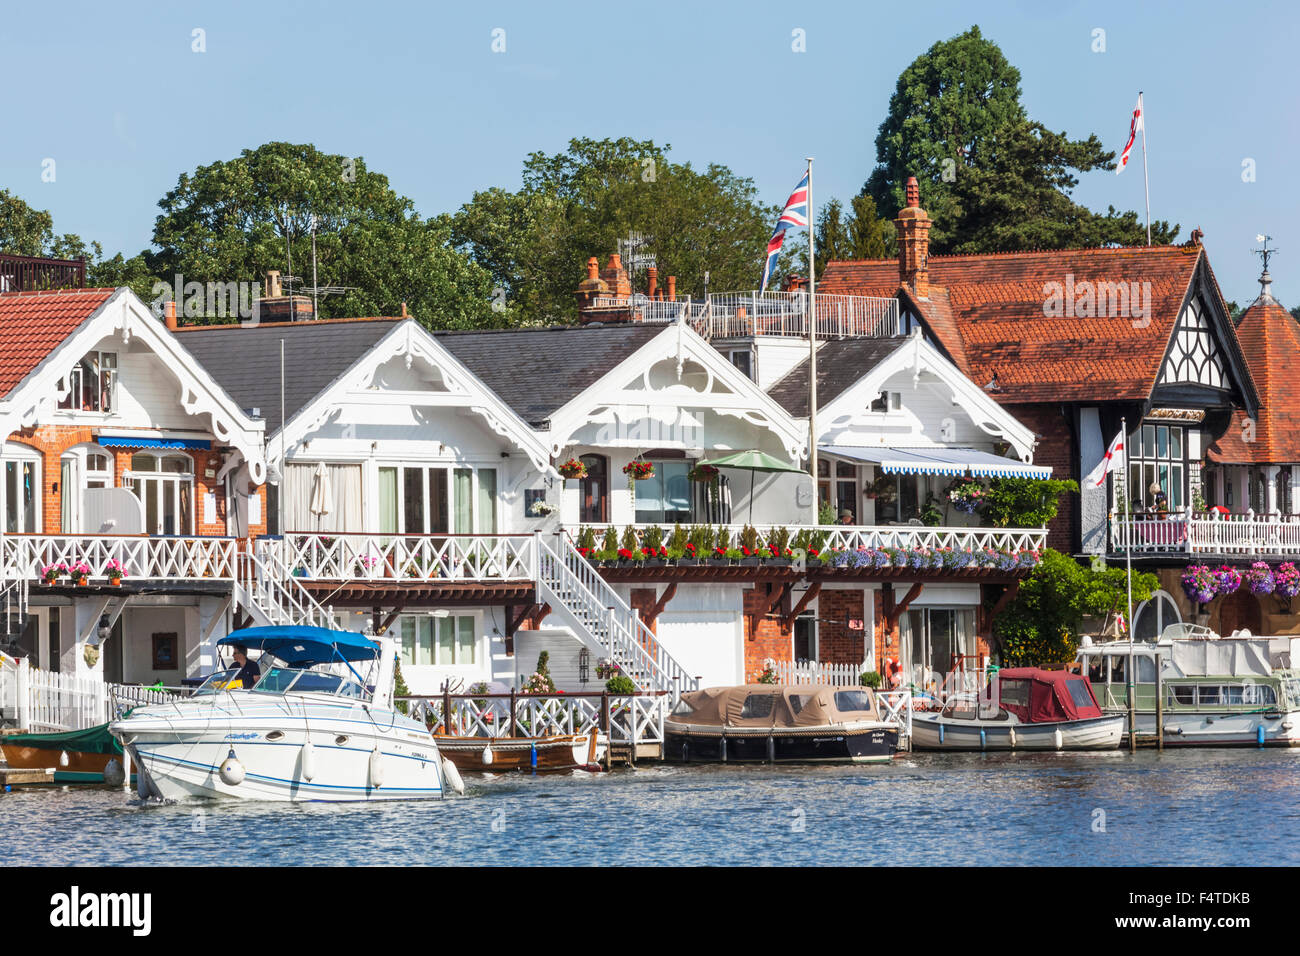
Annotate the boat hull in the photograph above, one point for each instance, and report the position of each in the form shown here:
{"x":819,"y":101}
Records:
{"x":180,"y":750}
{"x":865,"y":743}
{"x":557,"y":753}
{"x":74,"y":756}
{"x":1093,"y":733}
{"x":1223,"y":729}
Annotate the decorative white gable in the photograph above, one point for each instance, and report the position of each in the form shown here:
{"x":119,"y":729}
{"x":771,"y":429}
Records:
{"x":676,"y":391}
{"x":1194,"y":354}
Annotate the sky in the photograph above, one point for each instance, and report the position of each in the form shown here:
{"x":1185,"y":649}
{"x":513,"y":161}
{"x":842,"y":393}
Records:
{"x":118,"y":97}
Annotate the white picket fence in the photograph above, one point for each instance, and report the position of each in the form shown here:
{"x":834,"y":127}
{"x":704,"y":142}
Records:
{"x":816,"y":672}
{"x":45,"y":702}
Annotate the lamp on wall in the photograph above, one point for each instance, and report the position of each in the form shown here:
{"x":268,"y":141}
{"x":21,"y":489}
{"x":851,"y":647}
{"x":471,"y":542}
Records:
{"x":102,"y":633}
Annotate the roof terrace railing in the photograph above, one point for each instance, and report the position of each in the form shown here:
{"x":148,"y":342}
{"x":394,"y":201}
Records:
{"x":744,"y":314}
{"x":33,"y":273}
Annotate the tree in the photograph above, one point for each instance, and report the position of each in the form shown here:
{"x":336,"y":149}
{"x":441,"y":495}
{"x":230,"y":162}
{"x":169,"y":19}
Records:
{"x":232,"y":221}
{"x":858,"y":234}
{"x":535,"y":242}
{"x":991,"y":179}
{"x":24,"y":231}
{"x":1041,"y":626}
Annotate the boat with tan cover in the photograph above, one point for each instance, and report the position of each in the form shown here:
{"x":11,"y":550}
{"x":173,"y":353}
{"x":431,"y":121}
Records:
{"x":777,"y":723}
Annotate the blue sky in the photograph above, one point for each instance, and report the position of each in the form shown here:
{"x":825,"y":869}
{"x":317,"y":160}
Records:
{"x":114,"y":94}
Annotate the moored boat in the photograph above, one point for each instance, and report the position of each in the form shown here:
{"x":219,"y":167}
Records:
{"x":1023,"y":708}
{"x":91,"y":756}
{"x":311,"y":728}
{"x":558,"y":752}
{"x":776,"y":723}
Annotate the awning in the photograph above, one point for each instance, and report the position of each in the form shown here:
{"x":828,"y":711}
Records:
{"x":121,"y":441}
{"x":939,"y":461}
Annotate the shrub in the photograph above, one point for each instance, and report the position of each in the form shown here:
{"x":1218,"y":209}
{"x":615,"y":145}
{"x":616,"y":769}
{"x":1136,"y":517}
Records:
{"x":620,"y":684}
{"x":869,"y":679}
{"x":749,"y":538}
{"x":702,"y":537}
{"x":652,"y":537}
{"x":780,"y":538}
{"x":610,"y":543}
{"x":587,"y":537}
{"x":678,"y":540}
{"x":724,"y":540}
{"x":629,"y":539}
{"x":1024,"y":502}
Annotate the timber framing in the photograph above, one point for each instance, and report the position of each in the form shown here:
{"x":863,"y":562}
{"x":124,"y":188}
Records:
{"x":422,"y":594}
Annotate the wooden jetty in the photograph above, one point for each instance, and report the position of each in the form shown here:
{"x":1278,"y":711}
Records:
{"x":13,"y":777}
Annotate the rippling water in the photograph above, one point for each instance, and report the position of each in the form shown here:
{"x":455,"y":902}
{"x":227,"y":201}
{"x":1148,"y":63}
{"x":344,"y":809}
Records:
{"x":1193,"y":808}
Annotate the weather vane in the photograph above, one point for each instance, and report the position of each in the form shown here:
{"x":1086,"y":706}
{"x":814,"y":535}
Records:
{"x":1265,"y":252}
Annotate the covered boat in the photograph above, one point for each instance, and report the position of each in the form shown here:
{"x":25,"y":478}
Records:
{"x":1023,"y":708}
{"x":779,"y":722}
{"x":92,"y":755}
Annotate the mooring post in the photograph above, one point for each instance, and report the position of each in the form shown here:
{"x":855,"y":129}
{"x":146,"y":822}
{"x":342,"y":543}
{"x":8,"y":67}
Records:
{"x":1160,"y":705}
{"x":609,"y":729}
{"x":514,"y":715}
{"x":446,"y":709}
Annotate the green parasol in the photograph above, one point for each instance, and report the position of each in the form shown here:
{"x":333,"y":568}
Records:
{"x":752,"y":461}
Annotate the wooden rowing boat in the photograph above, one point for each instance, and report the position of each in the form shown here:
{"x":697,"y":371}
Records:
{"x":75,"y":756}
{"x":494,"y":754}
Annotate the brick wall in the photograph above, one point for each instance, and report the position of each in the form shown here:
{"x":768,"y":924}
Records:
{"x":1056,"y":448}
{"x":765,"y":636}
{"x":836,"y":644}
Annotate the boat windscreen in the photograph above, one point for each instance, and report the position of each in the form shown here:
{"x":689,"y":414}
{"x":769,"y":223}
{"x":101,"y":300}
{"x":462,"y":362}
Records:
{"x":220,"y":680}
{"x":852,"y":700}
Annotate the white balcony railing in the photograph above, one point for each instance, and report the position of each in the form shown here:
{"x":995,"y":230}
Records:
{"x":1207,"y":533}
{"x":387,"y":557}
{"x":838,"y":537}
{"x":139,"y":556}
{"x":742,"y":314}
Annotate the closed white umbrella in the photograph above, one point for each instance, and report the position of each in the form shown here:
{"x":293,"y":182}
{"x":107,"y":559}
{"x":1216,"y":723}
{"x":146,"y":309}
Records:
{"x":322,"y":495}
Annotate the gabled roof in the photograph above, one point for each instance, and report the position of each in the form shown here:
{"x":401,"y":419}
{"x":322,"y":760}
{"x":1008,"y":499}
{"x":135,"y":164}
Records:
{"x":1270,"y":339}
{"x":538,"y":371}
{"x":840,"y":364}
{"x":989,"y":314}
{"x":34,"y":324}
{"x":246,"y":360}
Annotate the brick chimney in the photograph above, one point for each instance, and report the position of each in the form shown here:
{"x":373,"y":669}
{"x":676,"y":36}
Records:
{"x":653,"y":276}
{"x":620,"y":284}
{"x":275,"y":306}
{"x":913,"y":227}
{"x":672,"y":288}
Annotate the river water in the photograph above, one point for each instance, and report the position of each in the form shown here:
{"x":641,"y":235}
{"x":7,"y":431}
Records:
{"x":1196,"y":807}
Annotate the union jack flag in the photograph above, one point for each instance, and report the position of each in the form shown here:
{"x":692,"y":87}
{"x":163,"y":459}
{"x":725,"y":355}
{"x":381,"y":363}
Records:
{"x":795,"y":213}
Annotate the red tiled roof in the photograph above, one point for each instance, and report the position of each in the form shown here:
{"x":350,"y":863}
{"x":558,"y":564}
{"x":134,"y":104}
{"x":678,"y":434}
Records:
{"x":1270,"y":339}
{"x":33,"y":324}
{"x":987,"y":312}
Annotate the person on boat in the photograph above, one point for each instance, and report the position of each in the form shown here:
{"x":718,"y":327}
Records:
{"x":248,"y":670}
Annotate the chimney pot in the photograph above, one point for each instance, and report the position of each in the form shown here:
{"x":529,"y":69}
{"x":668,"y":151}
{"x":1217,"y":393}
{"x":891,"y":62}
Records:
{"x":653,"y":274}
{"x":672,"y":288}
{"x":593,"y":268}
{"x":273,"y":289}
{"x":616,"y":261}
{"x":913,"y":227}
{"x":169,"y":315}
{"x":913,"y":193}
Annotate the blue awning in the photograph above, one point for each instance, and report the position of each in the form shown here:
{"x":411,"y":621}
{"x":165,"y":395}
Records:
{"x":121,"y":441}
{"x":302,"y":646}
{"x":939,"y":461}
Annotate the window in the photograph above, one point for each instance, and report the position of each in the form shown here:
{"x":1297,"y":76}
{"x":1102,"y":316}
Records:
{"x":1194,"y":357}
{"x":851,"y":700}
{"x":1014,"y":692}
{"x":743,"y":360}
{"x":887,"y":402}
{"x":666,"y":495}
{"x":1080,"y":693}
{"x":758,"y":705}
{"x":1209,"y":694}
{"x":434,"y":499}
{"x":1182,"y":694}
{"x":846,"y":490}
{"x":19,"y":492}
{"x":1160,"y":461}
{"x":165,"y":485}
{"x":1153,"y":616}
{"x":92,"y":384}
{"x":960,"y":708}
{"x":450,"y":641}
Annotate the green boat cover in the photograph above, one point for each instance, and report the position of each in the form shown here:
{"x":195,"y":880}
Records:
{"x":92,"y":740}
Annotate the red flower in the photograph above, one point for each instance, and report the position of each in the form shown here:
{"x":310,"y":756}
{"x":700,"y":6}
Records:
{"x":624,"y":553}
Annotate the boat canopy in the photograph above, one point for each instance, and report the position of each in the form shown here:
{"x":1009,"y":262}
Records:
{"x":776,"y":705}
{"x":1038,"y":696}
{"x":301,"y":646}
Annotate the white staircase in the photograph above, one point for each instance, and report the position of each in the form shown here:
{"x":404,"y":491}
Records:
{"x":13,"y":612}
{"x":602,"y":620}
{"x":268,"y":591}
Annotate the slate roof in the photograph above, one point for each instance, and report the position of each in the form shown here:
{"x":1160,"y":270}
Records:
{"x":1270,"y":339}
{"x":246,"y":361}
{"x":987,"y":313}
{"x":537,"y":371}
{"x":840,"y":364}
{"x":34,"y":324}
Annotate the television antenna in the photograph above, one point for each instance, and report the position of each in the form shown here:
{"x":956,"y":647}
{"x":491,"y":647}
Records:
{"x":316,"y":290}
{"x":635,"y":252}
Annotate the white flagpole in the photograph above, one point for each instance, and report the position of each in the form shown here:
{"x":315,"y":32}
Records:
{"x":812,"y":351}
{"x":1146,"y":185}
{"x":1128,"y":527}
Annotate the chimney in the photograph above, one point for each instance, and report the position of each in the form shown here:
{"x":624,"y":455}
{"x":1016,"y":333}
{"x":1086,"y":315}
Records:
{"x":169,"y":315}
{"x":272,"y":288}
{"x":589,"y":290}
{"x":672,"y":288}
{"x":913,"y":227}
{"x":616,"y":277}
{"x":653,"y":273}
{"x":275,"y":306}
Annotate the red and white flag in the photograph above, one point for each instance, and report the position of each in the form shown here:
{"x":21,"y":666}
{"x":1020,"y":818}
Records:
{"x":1133,"y":128}
{"x":1114,"y":459}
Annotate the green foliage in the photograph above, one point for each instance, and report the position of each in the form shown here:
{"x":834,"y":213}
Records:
{"x":229,"y":222}
{"x":724,"y":539}
{"x":869,"y":679}
{"x":932,"y":513}
{"x":702,"y":537}
{"x":991,"y":179}
{"x":780,"y":538}
{"x":587,"y":537}
{"x":1041,"y":626}
{"x":535,"y":242}
{"x":1024,"y":502}
{"x":677,"y":540}
{"x":399,"y":687}
{"x":861,"y":233}
{"x":620,"y":684}
{"x":629,"y":539}
{"x":826,"y":514}
{"x":610,"y":542}
{"x":652,"y":537}
{"x":749,"y":538}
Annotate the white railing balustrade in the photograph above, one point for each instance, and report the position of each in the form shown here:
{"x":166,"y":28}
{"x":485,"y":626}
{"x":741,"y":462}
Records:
{"x":818,"y":672}
{"x":375,"y":557}
{"x":896,"y":707}
{"x":139,"y":556}
{"x":633,"y":719}
{"x":266,"y":583}
{"x":743,"y":314}
{"x":1207,"y":533}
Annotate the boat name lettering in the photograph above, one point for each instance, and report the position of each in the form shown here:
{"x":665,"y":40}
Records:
{"x":248,"y":736}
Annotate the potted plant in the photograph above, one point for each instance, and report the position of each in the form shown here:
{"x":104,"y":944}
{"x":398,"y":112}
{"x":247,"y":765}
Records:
{"x":541,"y":508}
{"x":51,"y":573}
{"x":79,"y":572}
{"x":638,"y":470}
{"x":113,"y":570}
{"x":966,"y":496}
{"x":704,"y":474}
{"x":768,"y":675}
{"x":749,"y":546}
{"x":572,"y":468}
{"x":621,"y":685}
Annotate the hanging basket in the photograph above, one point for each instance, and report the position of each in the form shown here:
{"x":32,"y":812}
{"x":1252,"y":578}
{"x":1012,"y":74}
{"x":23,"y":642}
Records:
{"x":572,"y":468}
{"x":639,"y":470}
{"x":704,"y":474}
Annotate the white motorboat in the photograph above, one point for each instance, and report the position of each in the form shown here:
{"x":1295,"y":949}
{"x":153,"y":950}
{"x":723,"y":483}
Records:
{"x":1024,"y":708}
{"x":311,"y":728}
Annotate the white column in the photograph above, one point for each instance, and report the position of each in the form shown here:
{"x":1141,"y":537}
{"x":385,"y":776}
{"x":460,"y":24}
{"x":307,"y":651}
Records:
{"x":1271,"y":504}
{"x":1295,"y":488}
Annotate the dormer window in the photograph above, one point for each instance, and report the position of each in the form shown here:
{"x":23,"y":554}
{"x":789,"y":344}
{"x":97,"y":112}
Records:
{"x":92,"y":384}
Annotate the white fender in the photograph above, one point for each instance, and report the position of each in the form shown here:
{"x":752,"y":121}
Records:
{"x":308,"y":761}
{"x":487,"y":756}
{"x":376,"y":768}
{"x":1056,"y":739}
{"x":451,"y":776}
{"x":63,"y":758}
{"x":1013,"y":737}
{"x":114,"y":775}
{"x":232,"y":771}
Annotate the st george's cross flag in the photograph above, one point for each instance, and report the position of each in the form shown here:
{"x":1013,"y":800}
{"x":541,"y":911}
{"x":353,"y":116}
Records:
{"x":1114,"y":459}
{"x":795,"y":213}
{"x":1134,"y":126}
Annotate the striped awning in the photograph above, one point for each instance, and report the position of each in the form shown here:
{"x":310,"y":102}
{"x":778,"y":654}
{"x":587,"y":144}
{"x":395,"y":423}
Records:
{"x":132,"y":441}
{"x":939,"y":461}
